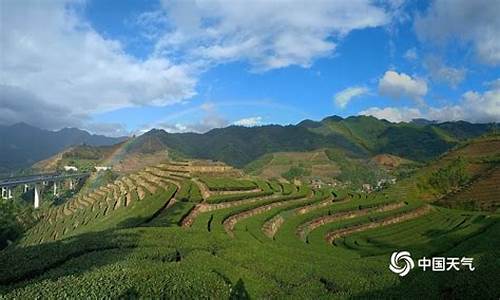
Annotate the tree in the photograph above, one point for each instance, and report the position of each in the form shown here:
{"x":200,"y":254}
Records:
{"x":10,"y":227}
{"x":295,"y":172}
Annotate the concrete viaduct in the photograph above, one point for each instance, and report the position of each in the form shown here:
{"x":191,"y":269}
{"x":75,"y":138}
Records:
{"x":37,"y":182}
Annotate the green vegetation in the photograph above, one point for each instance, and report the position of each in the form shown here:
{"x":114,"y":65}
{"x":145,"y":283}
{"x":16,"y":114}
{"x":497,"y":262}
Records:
{"x":189,"y":192}
{"x":84,"y":152}
{"x":14,"y":218}
{"x":239,"y":196}
{"x":360,"y":136}
{"x":295,"y":172}
{"x":98,"y":180}
{"x":255,"y":167}
{"x":357,"y":172}
{"x":449,"y":178}
{"x":228,"y":184}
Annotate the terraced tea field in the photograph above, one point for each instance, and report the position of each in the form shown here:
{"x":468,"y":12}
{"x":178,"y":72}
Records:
{"x":483,"y":193}
{"x":168,"y":231}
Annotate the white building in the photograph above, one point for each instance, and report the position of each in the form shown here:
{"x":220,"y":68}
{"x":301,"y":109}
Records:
{"x":102,"y":168}
{"x":70,"y":168}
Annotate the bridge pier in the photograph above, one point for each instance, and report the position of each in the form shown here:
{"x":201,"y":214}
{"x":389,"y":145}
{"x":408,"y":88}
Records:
{"x":71,"y":184}
{"x":4,"y":193}
{"x":26,"y":188}
{"x":55,"y":188}
{"x":37,"y":197}
{"x":9,"y":193}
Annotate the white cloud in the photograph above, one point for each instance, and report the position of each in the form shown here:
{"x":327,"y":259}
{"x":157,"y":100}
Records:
{"x":107,"y":129}
{"x":441,"y":73}
{"x":495,"y":84}
{"x":48,"y":51}
{"x":473,"y":106}
{"x":249,"y":122}
{"x":400,"y":85}
{"x":210,"y":119}
{"x":393,"y":114}
{"x":345,"y":96}
{"x":268,"y":34}
{"x":411,"y":54}
{"x":475,"y":22}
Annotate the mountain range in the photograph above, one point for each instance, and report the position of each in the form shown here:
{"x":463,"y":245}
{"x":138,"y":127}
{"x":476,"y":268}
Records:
{"x":357,"y":136}
{"x":22,"y":145}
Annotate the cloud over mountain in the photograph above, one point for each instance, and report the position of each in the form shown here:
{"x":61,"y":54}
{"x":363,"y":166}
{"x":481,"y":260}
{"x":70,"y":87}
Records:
{"x":473,"y":106}
{"x":63,"y":70}
{"x":400,"y":85}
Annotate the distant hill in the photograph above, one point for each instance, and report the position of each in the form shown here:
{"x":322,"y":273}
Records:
{"x":22,"y":145}
{"x":359,"y":136}
{"x":84,"y":157}
{"x":123,"y":157}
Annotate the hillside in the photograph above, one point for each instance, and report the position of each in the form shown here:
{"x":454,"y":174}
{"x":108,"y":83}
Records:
{"x":389,"y":161}
{"x":359,"y":136}
{"x":326,"y":166}
{"x":464,"y":177}
{"x":84,"y":157}
{"x":314,"y":163}
{"x":482,"y":191}
{"x":122,"y":157}
{"x":23,"y":145}
{"x":189,"y":228}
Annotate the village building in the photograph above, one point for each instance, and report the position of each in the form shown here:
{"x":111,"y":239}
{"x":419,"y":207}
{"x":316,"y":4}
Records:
{"x":102,"y":168}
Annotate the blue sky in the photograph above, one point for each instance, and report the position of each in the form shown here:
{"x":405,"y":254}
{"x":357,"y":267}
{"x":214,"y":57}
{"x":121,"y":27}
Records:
{"x":121,"y":67}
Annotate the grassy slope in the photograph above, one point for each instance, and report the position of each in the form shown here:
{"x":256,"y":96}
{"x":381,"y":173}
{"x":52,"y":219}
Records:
{"x":274,"y":165}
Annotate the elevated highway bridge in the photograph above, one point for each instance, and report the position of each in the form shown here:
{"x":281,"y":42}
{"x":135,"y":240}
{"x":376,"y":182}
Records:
{"x":37,"y":182}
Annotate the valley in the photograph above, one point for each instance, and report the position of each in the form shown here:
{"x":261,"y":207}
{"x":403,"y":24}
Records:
{"x":236,"y":150}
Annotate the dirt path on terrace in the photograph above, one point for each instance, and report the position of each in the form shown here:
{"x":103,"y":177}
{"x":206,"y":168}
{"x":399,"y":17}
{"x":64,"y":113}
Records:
{"x":230,"y":222}
{"x":304,"y":229}
{"x":311,"y":207}
{"x":333,"y":235}
{"x":206,"y":207}
{"x":236,"y":192}
{"x":205,"y":193}
{"x":271,"y":227}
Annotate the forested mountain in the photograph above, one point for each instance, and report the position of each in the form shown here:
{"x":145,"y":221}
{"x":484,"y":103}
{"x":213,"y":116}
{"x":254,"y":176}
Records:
{"x":359,"y":136}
